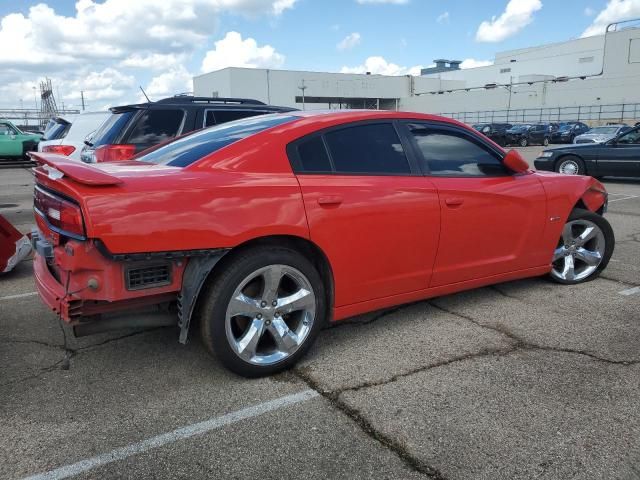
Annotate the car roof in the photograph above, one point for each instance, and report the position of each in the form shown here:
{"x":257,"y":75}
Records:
{"x":356,"y":115}
{"x":187,"y":101}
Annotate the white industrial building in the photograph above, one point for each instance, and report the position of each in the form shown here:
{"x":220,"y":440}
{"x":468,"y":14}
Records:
{"x":594,"y":79}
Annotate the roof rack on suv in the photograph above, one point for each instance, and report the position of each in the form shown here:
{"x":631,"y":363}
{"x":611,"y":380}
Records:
{"x":190,"y":99}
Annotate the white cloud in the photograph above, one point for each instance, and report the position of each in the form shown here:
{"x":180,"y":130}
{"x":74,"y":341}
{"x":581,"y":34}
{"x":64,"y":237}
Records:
{"x":615,"y":11}
{"x":394,"y":2}
{"x":589,"y":12}
{"x":175,"y":81}
{"x":154,"y":61}
{"x":349,"y":41}
{"x":443,"y":17}
{"x":233,"y":51}
{"x":517,"y":15}
{"x":473,"y":63}
{"x":378,"y":65}
{"x":112,"y":36}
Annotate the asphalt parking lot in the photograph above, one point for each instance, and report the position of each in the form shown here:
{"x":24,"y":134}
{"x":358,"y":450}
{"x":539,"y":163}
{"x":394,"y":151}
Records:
{"x":526,"y":379}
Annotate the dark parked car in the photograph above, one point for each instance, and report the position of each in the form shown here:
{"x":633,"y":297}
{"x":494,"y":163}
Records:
{"x":568,"y":131}
{"x":495,"y":131}
{"x":529,"y":134}
{"x":133,"y":128}
{"x":602,"y":134}
{"x":619,"y":156}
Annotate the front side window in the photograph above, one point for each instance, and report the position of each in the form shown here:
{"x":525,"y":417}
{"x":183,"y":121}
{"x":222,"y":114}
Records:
{"x":194,"y":146}
{"x":156,"y":126}
{"x":5,"y":130}
{"x":369,"y":149}
{"x":449,"y":153}
{"x":632,"y":137}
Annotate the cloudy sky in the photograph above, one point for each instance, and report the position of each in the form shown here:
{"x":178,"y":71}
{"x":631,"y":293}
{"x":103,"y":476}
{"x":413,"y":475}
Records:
{"x":107,"y":48}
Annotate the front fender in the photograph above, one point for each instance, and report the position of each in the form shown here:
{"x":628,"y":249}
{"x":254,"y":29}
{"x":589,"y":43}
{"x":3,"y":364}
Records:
{"x":564,"y":193}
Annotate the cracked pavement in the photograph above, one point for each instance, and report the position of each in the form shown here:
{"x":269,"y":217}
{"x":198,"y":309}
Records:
{"x":520,"y":380}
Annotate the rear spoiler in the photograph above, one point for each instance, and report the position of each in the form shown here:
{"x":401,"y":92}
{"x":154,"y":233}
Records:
{"x":58,"y":166}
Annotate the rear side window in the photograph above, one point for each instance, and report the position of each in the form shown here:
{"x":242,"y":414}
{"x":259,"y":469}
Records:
{"x":156,"y":126}
{"x":111,"y":128}
{"x":194,"y":146}
{"x":214,"y":117}
{"x":451,"y":154}
{"x":372,"y":149}
{"x":313,"y":156}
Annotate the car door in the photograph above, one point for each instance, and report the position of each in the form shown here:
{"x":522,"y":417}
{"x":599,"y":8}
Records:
{"x":621,"y":156}
{"x":369,"y":209}
{"x":491,"y":219}
{"x":10,"y":146}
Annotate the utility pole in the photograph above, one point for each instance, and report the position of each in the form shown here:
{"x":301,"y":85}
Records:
{"x":510,"y":89}
{"x":82,"y":98}
{"x":303,"y":87}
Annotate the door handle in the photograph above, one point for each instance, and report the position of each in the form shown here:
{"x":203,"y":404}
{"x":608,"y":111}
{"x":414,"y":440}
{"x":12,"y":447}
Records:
{"x":330,"y":200}
{"x":454,"y":202}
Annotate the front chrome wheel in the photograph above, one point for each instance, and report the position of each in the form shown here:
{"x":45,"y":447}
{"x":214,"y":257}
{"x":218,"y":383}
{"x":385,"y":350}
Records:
{"x":580,"y":251}
{"x":569,"y":167}
{"x":270,"y":314}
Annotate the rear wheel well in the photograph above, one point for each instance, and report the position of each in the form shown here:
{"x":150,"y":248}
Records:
{"x":303,"y":246}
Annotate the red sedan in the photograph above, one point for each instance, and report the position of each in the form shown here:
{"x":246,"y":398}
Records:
{"x":267,"y":228}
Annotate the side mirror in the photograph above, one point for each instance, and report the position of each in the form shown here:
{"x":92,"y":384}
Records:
{"x":514,"y":162}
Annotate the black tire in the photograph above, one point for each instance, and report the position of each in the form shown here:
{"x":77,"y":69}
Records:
{"x":609,"y":237}
{"x":561,"y":165}
{"x":545,"y":142}
{"x":523,"y":142}
{"x":218,"y":293}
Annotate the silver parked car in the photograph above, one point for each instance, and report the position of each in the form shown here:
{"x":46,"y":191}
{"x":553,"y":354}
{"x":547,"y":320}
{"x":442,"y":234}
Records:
{"x":601,"y":134}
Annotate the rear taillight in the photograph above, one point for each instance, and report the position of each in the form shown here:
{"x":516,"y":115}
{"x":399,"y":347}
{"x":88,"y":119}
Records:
{"x":63,"y":215}
{"x":114,"y":153}
{"x":65,"y":150}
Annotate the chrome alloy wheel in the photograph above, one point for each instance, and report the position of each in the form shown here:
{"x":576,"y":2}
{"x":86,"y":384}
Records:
{"x":569,"y":167}
{"x":270,"y":314}
{"x":580,"y":251}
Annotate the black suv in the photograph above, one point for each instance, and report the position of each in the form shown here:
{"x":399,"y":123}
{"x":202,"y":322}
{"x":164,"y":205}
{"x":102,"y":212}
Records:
{"x":568,"y":131}
{"x":494,"y":131}
{"x":529,"y":134}
{"x":133,"y":128}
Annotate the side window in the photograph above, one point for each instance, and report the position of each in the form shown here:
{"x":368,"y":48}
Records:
{"x":155,"y":126}
{"x":5,"y":130}
{"x":209,"y":118}
{"x":632,"y":137}
{"x":223,"y":116}
{"x":313,"y":156}
{"x":372,"y":149}
{"x":449,"y":153}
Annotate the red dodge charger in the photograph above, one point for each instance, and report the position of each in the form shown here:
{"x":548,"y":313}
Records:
{"x":265,"y":229}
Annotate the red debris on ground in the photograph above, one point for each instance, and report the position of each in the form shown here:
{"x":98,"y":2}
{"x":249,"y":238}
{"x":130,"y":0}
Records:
{"x":14,"y":246}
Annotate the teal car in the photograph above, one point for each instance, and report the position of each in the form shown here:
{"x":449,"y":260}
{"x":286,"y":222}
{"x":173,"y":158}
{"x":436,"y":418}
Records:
{"x":14,"y":142}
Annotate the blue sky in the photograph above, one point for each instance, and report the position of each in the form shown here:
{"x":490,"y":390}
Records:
{"x":107,"y":49}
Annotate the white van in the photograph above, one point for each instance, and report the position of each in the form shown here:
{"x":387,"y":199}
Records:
{"x":71,"y":144}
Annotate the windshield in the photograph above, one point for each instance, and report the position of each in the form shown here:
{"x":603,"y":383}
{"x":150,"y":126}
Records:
{"x":520,"y":127}
{"x":603,"y":131}
{"x":565,"y":128}
{"x":190,"y":148}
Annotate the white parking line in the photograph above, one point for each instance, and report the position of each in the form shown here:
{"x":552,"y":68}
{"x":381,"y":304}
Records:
{"x":174,"y":436}
{"x":18,"y":295}
{"x":627,"y":197}
{"x":630,"y":291}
